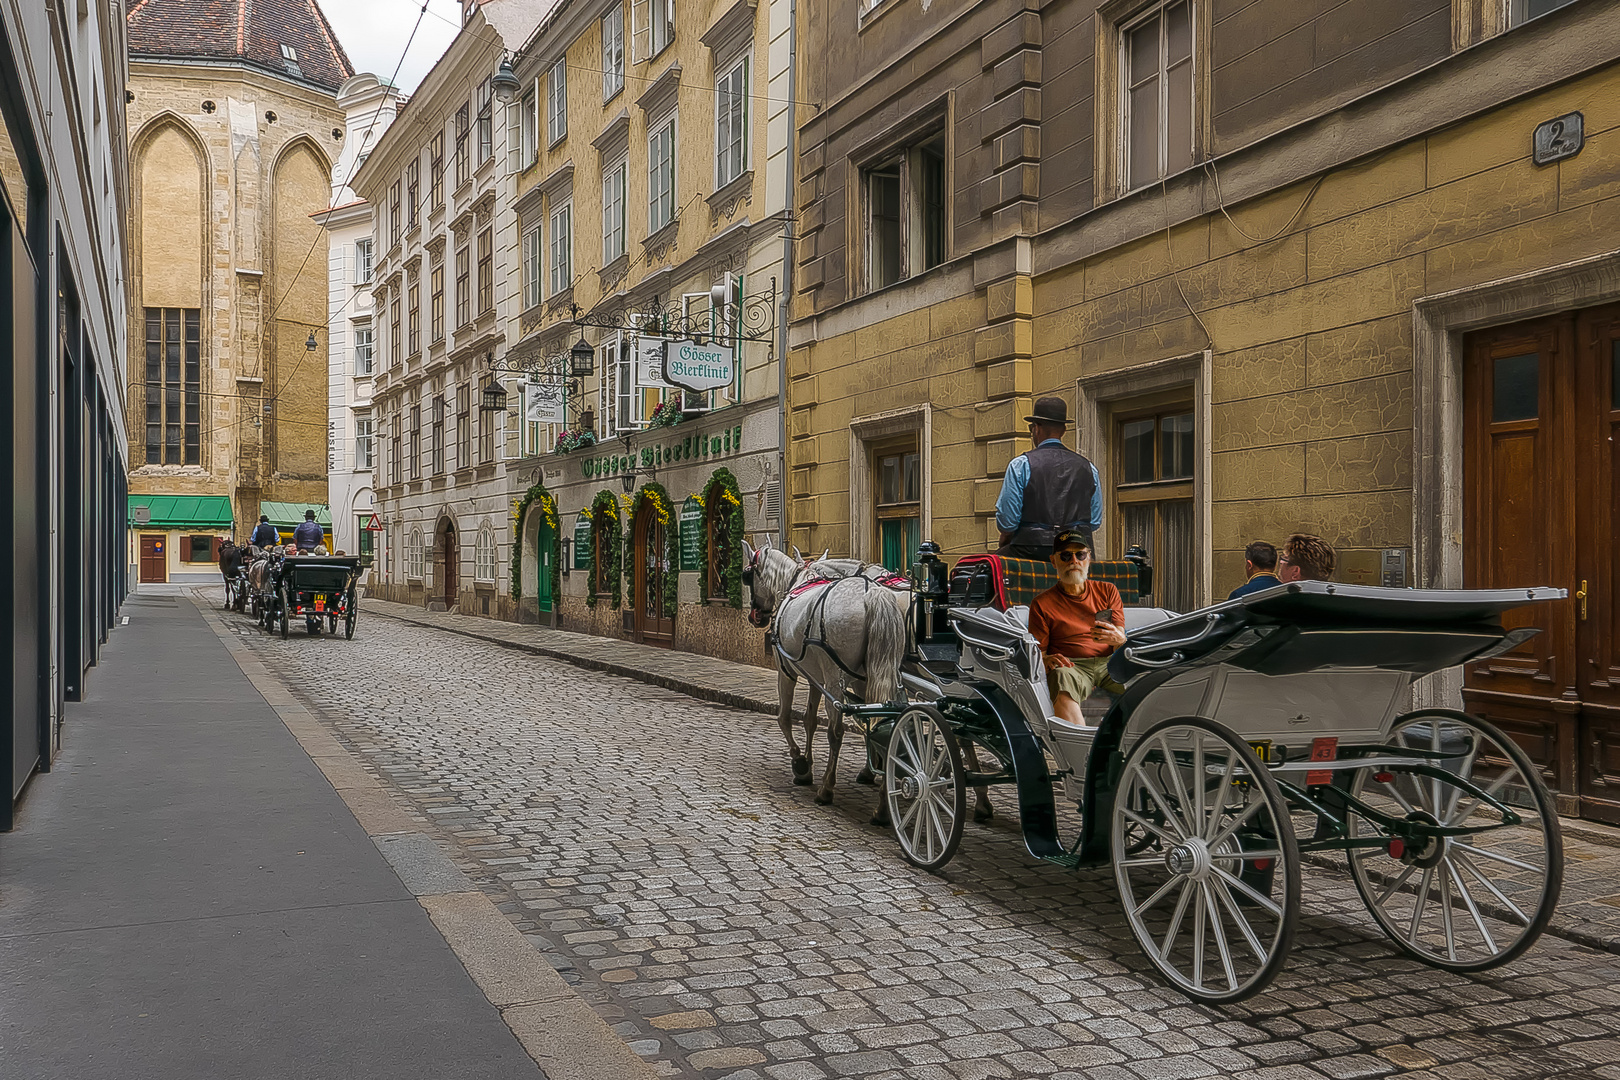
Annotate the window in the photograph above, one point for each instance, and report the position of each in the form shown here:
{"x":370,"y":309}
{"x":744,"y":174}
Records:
{"x":462,"y":124}
{"x":486,"y":122}
{"x":463,"y":287}
{"x":364,"y":263}
{"x":660,"y":25}
{"x":440,"y":407}
{"x":1154,"y":493}
{"x":173,"y":390}
{"x":486,"y":436}
{"x":289,"y":58}
{"x":562,"y":248}
{"x":661,"y":177}
{"x":905,"y":213}
{"x":717,"y":523}
{"x":197,"y":549}
{"x":413,"y":304}
{"x":364,"y":451}
{"x":396,"y":456}
{"x":604,"y":540}
{"x":557,"y":103}
{"x":363,"y":364}
{"x":464,"y":427}
{"x":533,"y":266}
{"x":612,"y":53}
{"x":415,"y":447}
{"x":486,"y":271}
{"x":393,"y":214}
{"x":1157,"y":93}
{"x":1522,"y":11}
{"x":367,"y":539}
{"x":436,"y":171}
{"x":897,"y":502}
{"x":731,"y":124}
{"x":416,"y":556}
{"x":413,"y":190}
{"x":484,"y":555}
{"x":393,"y":328}
{"x":613,"y":211}
{"x":436,"y":289}
{"x":528,"y":136}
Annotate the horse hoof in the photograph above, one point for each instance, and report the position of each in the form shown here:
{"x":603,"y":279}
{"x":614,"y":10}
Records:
{"x":802,"y":779}
{"x":824,"y":797}
{"x":983,"y":814}
{"x":865,"y":776}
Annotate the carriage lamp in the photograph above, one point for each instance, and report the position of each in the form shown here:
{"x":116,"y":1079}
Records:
{"x":494,"y":397}
{"x":505,"y":82}
{"x":582,"y":358}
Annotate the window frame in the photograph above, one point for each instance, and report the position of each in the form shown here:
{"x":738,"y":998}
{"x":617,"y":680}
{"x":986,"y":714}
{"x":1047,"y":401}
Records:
{"x":561,"y":270}
{"x":1157,"y":492}
{"x":913,"y":231}
{"x":436,"y":171}
{"x":365,"y":442}
{"x":177,"y":348}
{"x":413,"y":315}
{"x":557,"y":102}
{"x":725,"y":124}
{"x":534,"y":260}
{"x":908,"y":444}
{"x":486,"y":271}
{"x":365,"y":260}
{"x":393,"y":215}
{"x":463,"y":286}
{"x":528,"y":129}
{"x":656,"y":42}
{"x":661,"y":175}
{"x":364,"y":347}
{"x":413,"y":191}
{"x":394,"y":338}
{"x":1111,"y":145}
{"x":464,"y":426}
{"x":613,"y":66}
{"x":414,"y":447}
{"x":436,"y":440}
{"x":485,"y":122}
{"x":485,"y":556}
{"x":436,"y":303}
{"x":614,"y":210}
{"x":463,"y":128}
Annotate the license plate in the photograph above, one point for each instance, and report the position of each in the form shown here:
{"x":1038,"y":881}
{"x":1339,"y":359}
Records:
{"x":1262,"y":750}
{"x":320,"y":603}
{"x":1324,"y":748}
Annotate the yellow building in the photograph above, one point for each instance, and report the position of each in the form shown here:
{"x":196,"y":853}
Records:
{"x":1291,"y":271}
{"x":233,"y":126}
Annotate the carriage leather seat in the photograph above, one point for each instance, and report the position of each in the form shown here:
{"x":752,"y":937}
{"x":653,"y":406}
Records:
{"x":1096,"y":706}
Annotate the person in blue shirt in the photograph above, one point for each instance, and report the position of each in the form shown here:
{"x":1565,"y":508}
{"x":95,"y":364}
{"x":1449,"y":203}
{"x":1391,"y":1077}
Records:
{"x":1260,"y":563}
{"x":264,"y":534}
{"x":309,"y":535}
{"x":1047,"y":490}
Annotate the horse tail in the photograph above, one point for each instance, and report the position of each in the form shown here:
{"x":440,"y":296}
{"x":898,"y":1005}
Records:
{"x":885,"y":646}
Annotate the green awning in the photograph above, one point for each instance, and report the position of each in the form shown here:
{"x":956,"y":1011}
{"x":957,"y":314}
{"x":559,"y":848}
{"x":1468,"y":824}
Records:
{"x":182,"y":511}
{"x":285,"y":515}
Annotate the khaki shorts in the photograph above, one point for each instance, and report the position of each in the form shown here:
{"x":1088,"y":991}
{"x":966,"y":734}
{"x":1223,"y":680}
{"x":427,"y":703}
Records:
{"x":1089,"y":673}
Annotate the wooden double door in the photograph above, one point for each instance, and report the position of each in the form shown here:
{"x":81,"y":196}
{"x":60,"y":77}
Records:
{"x":653,"y":620}
{"x":1541,"y":466}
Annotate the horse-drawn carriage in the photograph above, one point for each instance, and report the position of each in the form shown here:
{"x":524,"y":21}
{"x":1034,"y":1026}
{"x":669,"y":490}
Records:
{"x":1250,"y":733}
{"x":321,"y":588}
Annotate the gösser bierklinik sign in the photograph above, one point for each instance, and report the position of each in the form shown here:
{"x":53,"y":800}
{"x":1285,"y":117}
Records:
{"x":697,"y":367}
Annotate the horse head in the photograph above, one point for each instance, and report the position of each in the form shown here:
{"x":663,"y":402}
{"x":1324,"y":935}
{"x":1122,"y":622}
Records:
{"x":766,"y":575}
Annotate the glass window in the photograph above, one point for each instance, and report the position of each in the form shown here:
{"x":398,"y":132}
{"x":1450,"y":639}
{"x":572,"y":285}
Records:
{"x":661,"y":177}
{"x":486,"y":271}
{"x":440,"y":407}
{"x":364,"y":455}
{"x":661,"y":25}
{"x":413,"y":317}
{"x":1521,"y":11}
{"x":557,"y":103}
{"x":1515,"y":388}
{"x":1137,"y":459}
{"x":484,"y":555}
{"x":464,"y":426}
{"x":731,"y":124}
{"x":613,"y":182}
{"x":463,"y":287}
{"x":528,"y":136}
{"x":486,"y":122}
{"x":897,"y":485}
{"x":394,"y":338}
{"x":436,"y":171}
{"x":393,"y":214}
{"x":363,"y":363}
{"x":612,"y":53}
{"x":1153,"y":490}
{"x":173,"y":386}
{"x":436,"y":287}
{"x":905,"y":212}
{"x":1156,"y":63}
{"x":533,"y":267}
{"x":364,"y":263}
{"x":416,"y":441}
{"x":463,"y":133}
{"x":199,"y":549}
{"x":413,"y":190}
{"x":562,"y":248}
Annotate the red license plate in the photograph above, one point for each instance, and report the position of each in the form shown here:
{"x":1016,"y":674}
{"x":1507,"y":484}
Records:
{"x":1325,"y":748}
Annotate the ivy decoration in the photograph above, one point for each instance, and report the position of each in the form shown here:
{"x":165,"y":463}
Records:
{"x":654,"y":493}
{"x":520,"y":510}
{"x":605,"y":529}
{"x":722,"y":485}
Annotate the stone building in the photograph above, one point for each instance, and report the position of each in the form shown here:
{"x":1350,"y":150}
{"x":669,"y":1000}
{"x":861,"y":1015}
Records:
{"x":233,"y":129}
{"x":651,"y":151}
{"x":1349,"y":269}
{"x":64,"y":197}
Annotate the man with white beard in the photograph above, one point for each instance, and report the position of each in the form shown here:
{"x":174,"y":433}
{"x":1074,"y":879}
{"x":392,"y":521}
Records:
{"x":1078,"y":623}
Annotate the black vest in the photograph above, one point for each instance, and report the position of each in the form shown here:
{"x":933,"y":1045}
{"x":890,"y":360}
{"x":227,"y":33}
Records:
{"x":1058,"y":494}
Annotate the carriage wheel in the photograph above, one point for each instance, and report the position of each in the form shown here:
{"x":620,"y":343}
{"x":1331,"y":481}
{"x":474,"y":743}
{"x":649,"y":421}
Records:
{"x":281,"y":598}
{"x":1465,"y":903}
{"x":1206,"y":860}
{"x":349,"y":616}
{"x":241,"y":596}
{"x":924,"y":787}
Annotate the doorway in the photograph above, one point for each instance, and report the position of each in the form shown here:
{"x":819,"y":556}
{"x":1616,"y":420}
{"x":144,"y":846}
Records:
{"x":154,"y":560}
{"x":1541,"y":409}
{"x":654,"y":622}
{"x":449,"y":564}
{"x":545,"y":537}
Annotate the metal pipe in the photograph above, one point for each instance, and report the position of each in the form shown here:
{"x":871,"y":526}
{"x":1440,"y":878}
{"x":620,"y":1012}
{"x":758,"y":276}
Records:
{"x":789,"y":216}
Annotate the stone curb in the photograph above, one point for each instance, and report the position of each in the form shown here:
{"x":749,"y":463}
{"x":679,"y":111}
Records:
{"x":567,"y":1038}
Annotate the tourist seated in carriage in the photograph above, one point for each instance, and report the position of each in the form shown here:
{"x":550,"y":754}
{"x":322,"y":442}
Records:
{"x":1078,"y":623}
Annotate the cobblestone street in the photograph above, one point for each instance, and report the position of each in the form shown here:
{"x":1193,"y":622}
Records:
{"x":655,"y":848}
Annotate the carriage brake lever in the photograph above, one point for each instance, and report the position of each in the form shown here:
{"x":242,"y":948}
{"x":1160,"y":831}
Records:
{"x":1133,"y":653}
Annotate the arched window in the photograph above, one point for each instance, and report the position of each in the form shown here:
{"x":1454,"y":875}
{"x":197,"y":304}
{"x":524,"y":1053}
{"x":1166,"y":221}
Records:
{"x":416,"y":555}
{"x":484,"y":555}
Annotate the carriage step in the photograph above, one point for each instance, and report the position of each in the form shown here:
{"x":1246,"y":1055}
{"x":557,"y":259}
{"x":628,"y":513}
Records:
{"x":1068,"y":860}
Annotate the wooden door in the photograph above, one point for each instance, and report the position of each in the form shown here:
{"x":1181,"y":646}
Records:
{"x":545,"y":537}
{"x":154,"y":559}
{"x":1597,"y":531}
{"x":654,"y":624}
{"x":450,"y":564}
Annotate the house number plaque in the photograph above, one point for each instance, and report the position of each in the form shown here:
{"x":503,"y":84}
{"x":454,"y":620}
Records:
{"x":1559,"y":138}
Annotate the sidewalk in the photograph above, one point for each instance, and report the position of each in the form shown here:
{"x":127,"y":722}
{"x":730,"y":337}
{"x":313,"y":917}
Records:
{"x":1588,"y":912}
{"x":186,"y":896}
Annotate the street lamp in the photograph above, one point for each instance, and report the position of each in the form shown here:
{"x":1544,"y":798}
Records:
{"x":629,"y":481}
{"x":582,"y":358}
{"x":494,"y":397}
{"x":505,"y":82}
{"x":311,"y":345}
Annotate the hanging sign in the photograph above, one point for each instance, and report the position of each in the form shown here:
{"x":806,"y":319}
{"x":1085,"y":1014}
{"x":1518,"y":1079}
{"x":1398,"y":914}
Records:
{"x":543,"y":404}
{"x":650,"y":361}
{"x":697,"y":367}
{"x":582,"y":541}
{"x":691,"y":534}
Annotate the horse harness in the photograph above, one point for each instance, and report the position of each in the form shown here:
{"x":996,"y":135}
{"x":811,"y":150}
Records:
{"x":819,"y":612}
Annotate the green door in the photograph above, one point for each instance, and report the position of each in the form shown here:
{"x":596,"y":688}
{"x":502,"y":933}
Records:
{"x":544,"y":540}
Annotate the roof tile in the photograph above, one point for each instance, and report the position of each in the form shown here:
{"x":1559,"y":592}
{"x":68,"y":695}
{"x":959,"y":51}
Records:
{"x":252,"y":31}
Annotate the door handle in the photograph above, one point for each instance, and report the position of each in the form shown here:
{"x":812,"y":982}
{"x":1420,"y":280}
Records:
{"x":1580,"y":595}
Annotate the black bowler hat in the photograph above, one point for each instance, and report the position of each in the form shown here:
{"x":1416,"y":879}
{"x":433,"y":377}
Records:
{"x":1050,"y":410}
{"x":264,"y":517}
{"x":309,"y":515}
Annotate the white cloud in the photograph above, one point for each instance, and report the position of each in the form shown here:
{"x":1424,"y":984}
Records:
{"x":374,"y":32}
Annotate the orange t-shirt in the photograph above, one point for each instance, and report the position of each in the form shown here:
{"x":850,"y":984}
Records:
{"x":1062,"y":624}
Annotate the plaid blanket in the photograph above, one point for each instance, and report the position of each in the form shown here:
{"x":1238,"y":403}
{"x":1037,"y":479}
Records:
{"x":1021,"y":580}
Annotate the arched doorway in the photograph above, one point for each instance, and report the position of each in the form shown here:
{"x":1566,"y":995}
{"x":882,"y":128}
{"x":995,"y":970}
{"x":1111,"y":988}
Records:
{"x":449,"y":563}
{"x":654,"y":623}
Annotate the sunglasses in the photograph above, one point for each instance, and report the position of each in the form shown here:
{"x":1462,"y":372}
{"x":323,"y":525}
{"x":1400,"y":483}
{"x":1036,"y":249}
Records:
{"x":1074,"y":556}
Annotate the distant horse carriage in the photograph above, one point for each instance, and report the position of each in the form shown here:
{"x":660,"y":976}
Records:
{"x":1249,"y":732}
{"x":320,"y":588}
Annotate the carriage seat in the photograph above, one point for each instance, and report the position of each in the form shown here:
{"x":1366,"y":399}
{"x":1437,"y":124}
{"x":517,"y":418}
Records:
{"x":1096,"y":706}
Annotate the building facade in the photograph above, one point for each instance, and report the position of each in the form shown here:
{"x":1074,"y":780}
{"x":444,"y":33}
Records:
{"x":234,"y":126}
{"x":352,"y":446}
{"x":444,"y":281}
{"x":64,"y":196}
{"x":1349,"y":272}
{"x":650,"y":146}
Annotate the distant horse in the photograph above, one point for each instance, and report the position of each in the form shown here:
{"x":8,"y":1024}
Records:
{"x":231,"y":559}
{"x":844,"y":632}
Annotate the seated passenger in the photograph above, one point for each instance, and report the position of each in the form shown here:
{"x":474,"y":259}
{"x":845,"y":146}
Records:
{"x":1077,"y":623}
{"x":1305,"y":557}
{"x":1260,"y":564}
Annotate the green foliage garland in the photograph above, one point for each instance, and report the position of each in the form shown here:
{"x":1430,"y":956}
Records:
{"x":654,"y":492}
{"x":605,"y":528}
{"x":520,"y":509}
{"x":722,"y":485}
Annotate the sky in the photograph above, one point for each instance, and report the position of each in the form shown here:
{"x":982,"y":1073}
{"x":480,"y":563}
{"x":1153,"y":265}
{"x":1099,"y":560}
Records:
{"x":374,"y":32}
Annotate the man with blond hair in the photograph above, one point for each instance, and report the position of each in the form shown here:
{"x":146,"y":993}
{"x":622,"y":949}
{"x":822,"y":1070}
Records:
{"x":1305,"y":557}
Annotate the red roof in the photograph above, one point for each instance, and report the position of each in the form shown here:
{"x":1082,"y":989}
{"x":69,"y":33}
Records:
{"x":251,"y":31}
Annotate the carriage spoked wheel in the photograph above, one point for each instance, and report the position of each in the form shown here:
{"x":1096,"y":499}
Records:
{"x":925,"y":788}
{"x":1470,"y":902}
{"x":281,"y":599}
{"x":1206,"y":860}
{"x":349,"y":616}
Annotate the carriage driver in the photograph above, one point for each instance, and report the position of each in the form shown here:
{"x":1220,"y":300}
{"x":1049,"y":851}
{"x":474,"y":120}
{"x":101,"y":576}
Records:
{"x":1077,"y":623}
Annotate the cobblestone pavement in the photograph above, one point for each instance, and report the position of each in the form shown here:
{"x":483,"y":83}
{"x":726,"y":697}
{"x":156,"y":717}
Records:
{"x":654,"y":847}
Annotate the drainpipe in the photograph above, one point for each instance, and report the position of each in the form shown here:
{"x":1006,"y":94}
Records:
{"x":788,"y":218}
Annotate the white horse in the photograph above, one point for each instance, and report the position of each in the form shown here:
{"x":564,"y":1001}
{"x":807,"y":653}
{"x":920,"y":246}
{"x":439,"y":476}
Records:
{"x":841,"y":629}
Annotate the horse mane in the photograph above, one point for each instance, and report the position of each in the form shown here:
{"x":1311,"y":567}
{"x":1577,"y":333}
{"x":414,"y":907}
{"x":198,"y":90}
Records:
{"x":776,"y":571}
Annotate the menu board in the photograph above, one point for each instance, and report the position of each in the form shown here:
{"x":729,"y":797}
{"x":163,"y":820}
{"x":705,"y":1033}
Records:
{"x":582,"y":541}
{"x":691,"y":534}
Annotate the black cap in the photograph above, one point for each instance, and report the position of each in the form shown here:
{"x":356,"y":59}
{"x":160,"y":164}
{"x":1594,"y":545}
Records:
{"x":1050,"y":410}
{"x":1066,"y":537}
{"x":264,"y":517}
{"x":309,"y":515}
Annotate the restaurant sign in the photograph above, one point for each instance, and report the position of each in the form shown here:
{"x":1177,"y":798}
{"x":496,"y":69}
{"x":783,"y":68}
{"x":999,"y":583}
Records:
{"x":697,"y":367}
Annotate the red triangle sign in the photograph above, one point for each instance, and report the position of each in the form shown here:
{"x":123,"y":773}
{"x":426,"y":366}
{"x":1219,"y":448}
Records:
{"x":373,"y":525}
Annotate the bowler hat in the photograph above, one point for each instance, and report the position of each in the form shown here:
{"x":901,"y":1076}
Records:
{"x":1050,"y":410}
{"x":309,"y":515}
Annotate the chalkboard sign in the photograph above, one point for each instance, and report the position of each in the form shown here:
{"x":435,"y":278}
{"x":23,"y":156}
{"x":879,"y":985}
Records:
{"x":691,"y":534}
{"x":582,"y":542}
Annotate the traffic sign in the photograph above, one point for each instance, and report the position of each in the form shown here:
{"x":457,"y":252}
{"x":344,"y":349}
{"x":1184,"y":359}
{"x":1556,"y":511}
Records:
{"x":373,"y":525}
